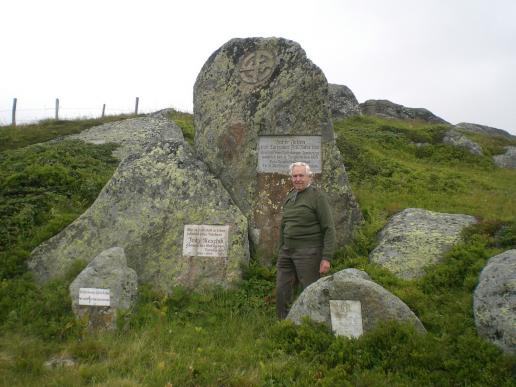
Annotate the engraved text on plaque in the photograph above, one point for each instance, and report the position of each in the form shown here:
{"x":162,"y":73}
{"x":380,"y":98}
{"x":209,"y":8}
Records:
{"x":276,"y":153}
{"x":205,"y":240}
{"x":346,"y":318}
{"x":94,"y":296}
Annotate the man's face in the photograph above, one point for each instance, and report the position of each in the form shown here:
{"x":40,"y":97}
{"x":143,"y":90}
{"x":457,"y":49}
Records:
{"x":300,"y":179}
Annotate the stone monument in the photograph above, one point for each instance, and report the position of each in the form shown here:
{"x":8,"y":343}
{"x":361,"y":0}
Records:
{"x":259,"y":105}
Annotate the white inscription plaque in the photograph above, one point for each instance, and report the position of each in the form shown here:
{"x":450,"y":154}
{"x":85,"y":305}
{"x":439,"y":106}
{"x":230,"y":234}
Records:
{"x":346,"y":318}
{"x":201,"y":240}
{"x":94,"y":296}
{"x":276,"y":153}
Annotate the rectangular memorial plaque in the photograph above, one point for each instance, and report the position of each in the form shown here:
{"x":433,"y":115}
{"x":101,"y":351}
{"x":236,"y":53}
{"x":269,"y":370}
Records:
{"x":346,"y":318}
{"x":276,"y":153}
{"x":205,"y":240}
{"x":93,"y":296}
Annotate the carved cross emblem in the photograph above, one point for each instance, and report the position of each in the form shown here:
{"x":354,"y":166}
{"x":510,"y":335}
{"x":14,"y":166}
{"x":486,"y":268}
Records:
{"x":257,"y":66}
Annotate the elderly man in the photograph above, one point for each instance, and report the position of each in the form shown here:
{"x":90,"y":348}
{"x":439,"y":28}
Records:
{"x":307,"y":237}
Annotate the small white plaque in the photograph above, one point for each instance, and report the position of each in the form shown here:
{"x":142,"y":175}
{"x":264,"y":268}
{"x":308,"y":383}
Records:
{"x":94,"y":296}
{"x":276,"y":153}
{"x":346,"y":318}
{"x":200,"y":240}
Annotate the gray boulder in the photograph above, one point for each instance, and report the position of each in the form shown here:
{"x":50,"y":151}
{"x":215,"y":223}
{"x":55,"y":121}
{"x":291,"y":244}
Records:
{"x":144,"y":209}
{"x":507,"y":159}
{"x":254,"y":88}
{"x":377,"y":303}
{"x":456,"y":138}
{"x":483,"y":129}
{"x":134,"y":135}
{"x":494,"y":301}
{"x":343,"y":102}
{"x":387,"y":109}
{"x":415,"y":239}
{"x":107,"y":272}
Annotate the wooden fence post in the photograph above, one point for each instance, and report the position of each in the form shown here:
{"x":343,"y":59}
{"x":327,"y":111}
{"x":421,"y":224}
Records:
{"x":136,"y":107}
{"x":103,"y":110}
{"x":57,"y":109}
{"x":14,"y":111}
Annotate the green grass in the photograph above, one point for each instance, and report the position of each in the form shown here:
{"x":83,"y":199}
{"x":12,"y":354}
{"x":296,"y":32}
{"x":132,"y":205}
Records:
{"x":185,"y":122}
{"x":231,"y":337}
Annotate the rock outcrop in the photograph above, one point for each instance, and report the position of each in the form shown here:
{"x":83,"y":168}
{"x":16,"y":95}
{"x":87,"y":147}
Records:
{"x":494,"y":301}
{"x":260,"y":104}
{"x":343,"y":102}
{"x":144,"y":209}
{"x":377,"y":303}
{"x":134,"y":135}
{"x":387,"y":109}
{"x":483,"y":129}
{"x":507,"y":159}
{"x":456,"y":138}
{"x":416,"y":238}
{"x":107,"y":272}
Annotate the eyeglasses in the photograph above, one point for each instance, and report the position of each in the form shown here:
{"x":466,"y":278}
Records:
{"x":294,"y":176}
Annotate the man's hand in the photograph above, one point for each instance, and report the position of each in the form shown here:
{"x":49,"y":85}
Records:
{"x":324,"y":267}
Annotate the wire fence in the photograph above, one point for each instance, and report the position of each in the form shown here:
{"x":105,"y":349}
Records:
{"x":19,"y":115}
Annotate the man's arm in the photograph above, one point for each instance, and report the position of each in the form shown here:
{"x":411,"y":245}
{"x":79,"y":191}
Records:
{"x":327,"y":227}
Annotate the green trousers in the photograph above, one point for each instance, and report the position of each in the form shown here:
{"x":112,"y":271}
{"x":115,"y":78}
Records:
{"x":295,"y":267}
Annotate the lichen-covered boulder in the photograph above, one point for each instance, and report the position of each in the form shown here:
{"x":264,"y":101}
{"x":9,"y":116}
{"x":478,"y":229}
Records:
{"x":416,"y":238}
{"x":456,"y":138}
{"x":133,"y":135}
{"x":387,"y":109}
{"x":494,"y":301}
{"x":109,"y":274}
{"x":254,"y":88}
{"x":377,"y":303}
{"x":343,"y":102}
{"x":507,"y":159}
{"x":144,"y":209}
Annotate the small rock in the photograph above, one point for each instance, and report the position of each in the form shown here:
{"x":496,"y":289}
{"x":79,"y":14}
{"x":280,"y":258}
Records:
{"x":508,"y":159}
{"x":494,"y":301}
{"x":377,"y":304}
{"x":456,"y":138}
{"x":107,"y":271}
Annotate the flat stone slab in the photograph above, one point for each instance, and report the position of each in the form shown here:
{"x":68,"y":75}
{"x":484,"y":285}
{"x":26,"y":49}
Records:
{"x":134,"y":135}
{"x":416,"y":238}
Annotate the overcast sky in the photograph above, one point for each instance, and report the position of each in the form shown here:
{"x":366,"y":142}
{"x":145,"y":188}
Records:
{"x":456,"y":58}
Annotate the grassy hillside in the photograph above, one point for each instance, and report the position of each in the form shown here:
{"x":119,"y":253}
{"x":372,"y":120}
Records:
{"x":231,"y":337}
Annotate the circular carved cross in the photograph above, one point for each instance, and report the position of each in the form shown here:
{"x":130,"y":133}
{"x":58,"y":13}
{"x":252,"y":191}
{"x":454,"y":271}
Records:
{"x":257,"y":66}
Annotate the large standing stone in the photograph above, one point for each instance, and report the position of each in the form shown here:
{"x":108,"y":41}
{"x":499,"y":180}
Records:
{"x":343,"y":102}
{"x":387,"y":109}
{"x":377,"y":303}
{"x":144,"y":209}
{"x":494,"y":301}
{"x":108,"y":272}
{"x":257,"y":87}
{"x":416,"y":238}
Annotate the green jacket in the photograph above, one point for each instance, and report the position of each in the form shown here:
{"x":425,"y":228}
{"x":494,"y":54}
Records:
{"x":308,"y":222}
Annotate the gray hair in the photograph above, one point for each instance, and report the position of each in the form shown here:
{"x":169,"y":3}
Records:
{"x":301,"y":164}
